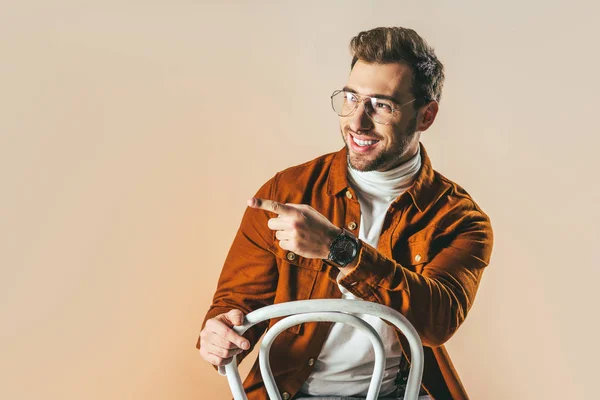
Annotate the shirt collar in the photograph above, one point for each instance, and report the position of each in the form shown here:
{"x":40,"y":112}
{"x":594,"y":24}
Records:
{"x":424,"y":191}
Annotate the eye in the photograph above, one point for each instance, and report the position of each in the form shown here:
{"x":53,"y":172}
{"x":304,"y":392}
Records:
{"x":350,"y":97}
{"x":383,"y":106}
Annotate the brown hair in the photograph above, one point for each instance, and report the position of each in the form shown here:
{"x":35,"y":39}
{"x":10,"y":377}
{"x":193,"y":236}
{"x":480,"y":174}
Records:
{"x":396,"y":44}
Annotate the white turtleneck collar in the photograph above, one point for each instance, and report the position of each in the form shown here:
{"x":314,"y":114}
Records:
{"x":386,"y":185}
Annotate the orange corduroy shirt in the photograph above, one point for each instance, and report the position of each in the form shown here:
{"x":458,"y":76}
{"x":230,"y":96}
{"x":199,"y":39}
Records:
{"x":434,"y":245}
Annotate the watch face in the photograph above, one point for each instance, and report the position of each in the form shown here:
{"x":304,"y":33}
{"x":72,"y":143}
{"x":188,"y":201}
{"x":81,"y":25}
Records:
{"x":345,"y":250}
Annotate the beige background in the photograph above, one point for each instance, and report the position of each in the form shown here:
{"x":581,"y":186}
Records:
{"x":132,"y":133}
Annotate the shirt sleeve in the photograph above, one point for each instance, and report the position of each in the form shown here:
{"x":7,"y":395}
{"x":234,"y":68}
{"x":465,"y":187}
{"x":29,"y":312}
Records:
{"x":249,"y":276}
{"x":436,"y":300}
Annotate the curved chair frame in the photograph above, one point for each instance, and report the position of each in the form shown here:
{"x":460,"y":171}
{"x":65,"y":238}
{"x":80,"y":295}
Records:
{"x":328,"y":310}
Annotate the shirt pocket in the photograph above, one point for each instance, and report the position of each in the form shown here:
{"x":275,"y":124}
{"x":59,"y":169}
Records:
{"x":297,"y":277}
{"x":413,"y":255}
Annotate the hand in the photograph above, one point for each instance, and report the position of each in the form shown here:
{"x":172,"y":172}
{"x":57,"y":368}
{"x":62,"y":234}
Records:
{"x":218,"y":342}
{"x":299,"y":228}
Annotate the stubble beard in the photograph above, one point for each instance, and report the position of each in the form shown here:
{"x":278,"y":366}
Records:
{"x":384,"y":160}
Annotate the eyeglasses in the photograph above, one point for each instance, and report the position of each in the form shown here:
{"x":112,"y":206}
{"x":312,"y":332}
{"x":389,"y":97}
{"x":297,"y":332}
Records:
{"x":381,"y":111}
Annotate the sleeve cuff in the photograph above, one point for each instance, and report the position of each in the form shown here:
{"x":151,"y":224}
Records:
{"x":371,"y":270}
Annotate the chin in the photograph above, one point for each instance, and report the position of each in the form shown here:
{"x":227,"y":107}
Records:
{"x":364,"y":165}
{"x":362,"y":162}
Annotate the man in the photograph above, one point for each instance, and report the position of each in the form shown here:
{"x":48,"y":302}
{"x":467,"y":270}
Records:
{"x":372,"y":221}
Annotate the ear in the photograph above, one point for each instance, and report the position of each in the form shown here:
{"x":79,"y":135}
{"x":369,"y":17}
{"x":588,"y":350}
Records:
{"x":427,"y":115}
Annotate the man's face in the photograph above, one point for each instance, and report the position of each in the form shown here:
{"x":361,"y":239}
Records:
{"x":394,"y":143}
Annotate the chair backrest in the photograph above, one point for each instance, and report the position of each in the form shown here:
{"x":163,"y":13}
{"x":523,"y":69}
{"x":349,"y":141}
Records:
{"x":328,"y":310}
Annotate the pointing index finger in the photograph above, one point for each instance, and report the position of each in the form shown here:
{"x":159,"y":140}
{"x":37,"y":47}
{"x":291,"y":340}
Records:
{"x":269,"y":205}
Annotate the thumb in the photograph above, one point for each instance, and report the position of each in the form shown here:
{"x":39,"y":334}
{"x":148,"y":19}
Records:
{"x":234,"y":317}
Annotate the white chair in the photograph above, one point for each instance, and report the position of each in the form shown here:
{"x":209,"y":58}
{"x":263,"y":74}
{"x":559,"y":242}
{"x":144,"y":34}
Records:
{"x":328,"y":310}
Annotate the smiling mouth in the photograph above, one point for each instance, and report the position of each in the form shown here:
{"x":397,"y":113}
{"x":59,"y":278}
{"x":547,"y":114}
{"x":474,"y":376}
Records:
{"x":364,"y":143}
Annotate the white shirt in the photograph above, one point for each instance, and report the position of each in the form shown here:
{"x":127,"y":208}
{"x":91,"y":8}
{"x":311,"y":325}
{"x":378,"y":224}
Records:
{"x":347,"y":355}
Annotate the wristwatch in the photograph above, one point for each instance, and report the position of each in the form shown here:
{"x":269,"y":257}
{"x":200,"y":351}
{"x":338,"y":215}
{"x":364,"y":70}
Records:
{"x":344,"y":248}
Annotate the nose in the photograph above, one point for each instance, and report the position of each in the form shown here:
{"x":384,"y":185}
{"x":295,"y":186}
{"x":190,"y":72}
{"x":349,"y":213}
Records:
{"x":359,"y":119}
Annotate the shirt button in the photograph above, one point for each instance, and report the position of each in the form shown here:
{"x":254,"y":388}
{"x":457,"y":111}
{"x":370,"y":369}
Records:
{"x":352,"y":225}
{"x":348,"y":194}
{"x":311,"y":362}
{"x":291,"y":256}
{"x":418,"y":258}
{"x":285,"y":396}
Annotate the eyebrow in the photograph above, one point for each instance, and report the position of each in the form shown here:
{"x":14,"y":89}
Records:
{"x":380,"y":96}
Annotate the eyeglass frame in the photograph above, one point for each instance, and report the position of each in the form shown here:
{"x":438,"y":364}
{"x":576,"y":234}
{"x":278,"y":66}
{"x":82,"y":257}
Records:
{"x":362,"y":97}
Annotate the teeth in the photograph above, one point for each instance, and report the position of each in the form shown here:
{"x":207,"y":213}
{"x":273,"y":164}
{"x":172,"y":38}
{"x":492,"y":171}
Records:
{"x":363,"y":142}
